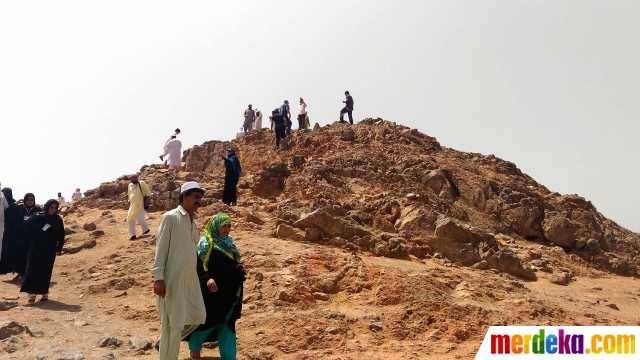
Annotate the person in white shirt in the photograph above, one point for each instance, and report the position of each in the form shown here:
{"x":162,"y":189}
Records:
{"x":175,"y":153}
{"x":302,"y":114}
{"x":77,"y":195}
{"x":60,"y":198}
{"x":257,"y":124}
{"x":166,"y":148}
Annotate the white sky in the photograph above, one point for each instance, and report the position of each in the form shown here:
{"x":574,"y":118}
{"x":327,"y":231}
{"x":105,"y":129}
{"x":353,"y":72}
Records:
{"x":89,"y":90}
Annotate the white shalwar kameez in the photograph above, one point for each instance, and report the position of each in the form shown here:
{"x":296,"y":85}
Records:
{"x":182,"y":309}
{"x":174,"y":153}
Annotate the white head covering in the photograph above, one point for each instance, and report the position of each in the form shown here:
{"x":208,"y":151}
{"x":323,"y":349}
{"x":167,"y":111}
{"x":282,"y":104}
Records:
{"x":189,"y":185}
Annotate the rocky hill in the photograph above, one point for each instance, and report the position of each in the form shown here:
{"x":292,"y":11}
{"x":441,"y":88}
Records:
{"x":385,"y":189}
{"x":365,"y":241}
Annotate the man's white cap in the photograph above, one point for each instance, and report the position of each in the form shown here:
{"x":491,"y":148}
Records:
{"x":190,"y":185}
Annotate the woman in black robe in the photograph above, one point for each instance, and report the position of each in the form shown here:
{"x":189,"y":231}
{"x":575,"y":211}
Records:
{"x":46,"y":232}
{"x":221,"y":275}
{"x":11,"y":238}
{"x":26,"y":209}
{"x":231,"y":177}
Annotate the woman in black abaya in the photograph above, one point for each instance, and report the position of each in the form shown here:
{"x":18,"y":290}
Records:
{"x":27,"y":209}
{"x":46,"y":232}
{"x":12,"y":229}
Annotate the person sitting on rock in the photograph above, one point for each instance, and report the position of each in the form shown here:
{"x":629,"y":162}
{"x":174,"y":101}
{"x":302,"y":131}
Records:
{"x":77,"y":195}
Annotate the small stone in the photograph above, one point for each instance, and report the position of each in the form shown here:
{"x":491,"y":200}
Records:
{"x":80,"y":323}
{"x":482,"y":265}
{"x":12,"y":297}
{"x":259,"y":276}
{"x":119,"y":293}
{"x":210,"y":345}
{"x":81,"y":296}
{"x":10,"y":328}
{"x":613,"y":306}
{"x":253,"y":218}
{"x":89,"y":226}
{"x":35,"y":331}
{"x":138,"y":343}
{"x":97,"y":233}
{"x":282,"y":295}
{"x":580,"y":243}
{"x":89,"y":244}
{"x":560,"y":278}
{"x":592,"y":246}
{"x":108,"y":356}
{"x":321,"y":296}
{"x":598,"y":288}
{"x":73,"y":356}
{"x":12,"y":343}
{"x":109,"y":340}
{"x":106,"y":212}
{"x":375,"y":327}
{"x":7,"y":304}
{"x":68,"y":231}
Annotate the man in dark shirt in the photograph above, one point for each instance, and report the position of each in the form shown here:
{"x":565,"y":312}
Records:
{"x":278,"y":122}
{"x":348,"y":108}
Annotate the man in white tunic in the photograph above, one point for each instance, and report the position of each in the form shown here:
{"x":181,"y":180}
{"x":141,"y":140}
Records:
{"x":257,"y":124}
{"x":175,"y":158}
{"x":178,"y":296}
{"x":77,"y":195}
{"x":137,"y":190}
{"x":165,"y":149}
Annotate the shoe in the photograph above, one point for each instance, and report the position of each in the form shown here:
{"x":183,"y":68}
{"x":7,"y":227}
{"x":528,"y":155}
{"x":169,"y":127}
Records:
{"x":132,"y":238}
{"x":157,"y":345}
{"x":146,"y":232}
{"x":161,"y":158}
{"x":16,"y":278}
{"x":44,"y":298}
{"x":31,"y":299}
{"x":194,"y":355}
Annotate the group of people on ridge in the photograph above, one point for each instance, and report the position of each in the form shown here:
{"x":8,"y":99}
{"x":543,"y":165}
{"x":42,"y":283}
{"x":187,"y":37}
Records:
{"x":30,"y":239}
{"x":281,"y":118}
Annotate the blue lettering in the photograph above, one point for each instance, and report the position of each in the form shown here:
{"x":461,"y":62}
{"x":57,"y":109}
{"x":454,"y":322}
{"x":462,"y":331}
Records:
{"x":551,"y":344}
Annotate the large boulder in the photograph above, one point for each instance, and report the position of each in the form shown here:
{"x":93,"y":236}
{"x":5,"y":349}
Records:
{"x":457,"y":231}
{"x":436,"y":181}
{"x":331,"y":226}
{"x":559,"y":230}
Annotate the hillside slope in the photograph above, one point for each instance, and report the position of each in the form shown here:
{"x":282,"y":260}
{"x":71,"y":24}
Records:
{"x":366,"y":241}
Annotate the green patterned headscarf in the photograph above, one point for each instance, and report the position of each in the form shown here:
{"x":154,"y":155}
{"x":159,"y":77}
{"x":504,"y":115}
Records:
{"x":212,"y":240}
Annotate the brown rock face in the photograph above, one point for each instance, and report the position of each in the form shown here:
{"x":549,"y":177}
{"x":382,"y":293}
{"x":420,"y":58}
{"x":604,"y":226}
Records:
{"x":332,"y":226}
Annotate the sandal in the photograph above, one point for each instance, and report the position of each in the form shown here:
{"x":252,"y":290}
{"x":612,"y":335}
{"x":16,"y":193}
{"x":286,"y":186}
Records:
{"x":194,"y":355}
{"x":157,"y":345}
{"x":44,"y":298}
{"x":32,"y":299}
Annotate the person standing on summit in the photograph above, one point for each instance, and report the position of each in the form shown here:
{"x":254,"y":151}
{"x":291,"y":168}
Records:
{"x":137,"y":190}
{"x":348,"y":108}
{"x":286,"y":112}
{"x":302,"y":114}
{"x":249,"y":118}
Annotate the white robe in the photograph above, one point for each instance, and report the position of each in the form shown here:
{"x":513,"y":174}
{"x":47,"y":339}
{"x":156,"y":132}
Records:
{"x":257,"y":123}
{"x":175,"y":263}
{"x":165,"y":149}
{"x":174,"y":160}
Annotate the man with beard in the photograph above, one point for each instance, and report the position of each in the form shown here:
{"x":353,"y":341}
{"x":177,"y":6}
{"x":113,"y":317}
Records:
{"x":137,"y":190}
{"x":176,"y":285}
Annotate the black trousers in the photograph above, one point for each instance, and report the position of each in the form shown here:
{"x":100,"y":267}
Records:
{"x":280,"y":133}
{"x":347,"y":111}
{"x":302,"y":121}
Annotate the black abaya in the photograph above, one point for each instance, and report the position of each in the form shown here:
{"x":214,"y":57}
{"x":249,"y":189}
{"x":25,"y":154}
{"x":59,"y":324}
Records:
{"x":229,"y":194}
{"x":12,"y":239}
{"x":45,"y":241}
{"x":23,"y":239}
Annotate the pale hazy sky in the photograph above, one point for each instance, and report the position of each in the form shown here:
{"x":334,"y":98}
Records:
{"x":89,"y":90}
